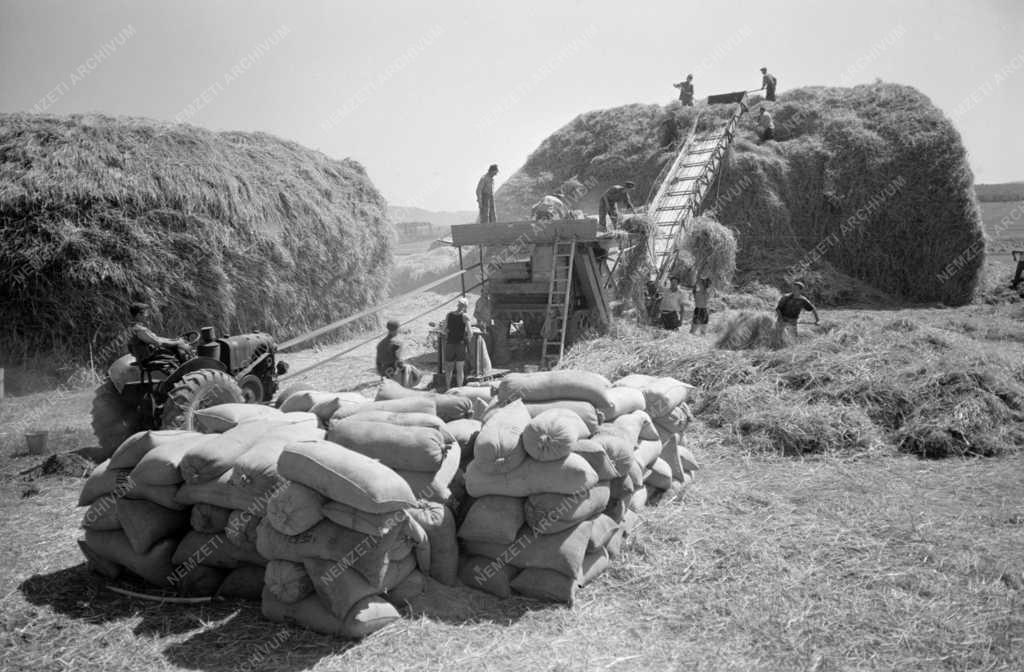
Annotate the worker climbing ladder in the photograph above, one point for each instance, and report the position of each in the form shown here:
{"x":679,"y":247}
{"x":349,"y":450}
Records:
{"x":681,"y":193}
{"x":559,"y":294}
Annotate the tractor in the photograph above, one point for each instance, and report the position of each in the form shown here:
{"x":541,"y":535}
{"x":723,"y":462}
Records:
{"x":163,"y":393}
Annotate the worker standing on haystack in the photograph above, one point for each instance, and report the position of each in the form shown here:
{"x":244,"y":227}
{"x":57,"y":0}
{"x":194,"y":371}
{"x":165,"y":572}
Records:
{"x":550,"y":207}
{"x":144,"y":344}
{"x":767,"y":124}
{"x":787,"y":312}
{"x":701,"y":294}
{"x":391,"y":360}
{"x":685,"y":91}
{"x":485,"y":195}
{"x":457,"y":330}
{"x":768,"y":83}
{"x":610,"y":200}
{"x":671,"y":306}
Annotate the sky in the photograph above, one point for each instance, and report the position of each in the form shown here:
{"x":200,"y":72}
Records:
{"x":427,"y":94}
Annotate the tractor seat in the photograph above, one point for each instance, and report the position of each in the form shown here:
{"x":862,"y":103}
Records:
{"x":164,"y":362}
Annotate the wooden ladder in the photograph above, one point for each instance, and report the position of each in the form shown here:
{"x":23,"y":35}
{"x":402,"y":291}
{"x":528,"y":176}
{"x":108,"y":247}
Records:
{"x":559,"y":292}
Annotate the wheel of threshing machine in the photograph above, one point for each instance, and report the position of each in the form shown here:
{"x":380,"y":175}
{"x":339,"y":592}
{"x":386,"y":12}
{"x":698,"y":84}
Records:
{"x":195,"y":391}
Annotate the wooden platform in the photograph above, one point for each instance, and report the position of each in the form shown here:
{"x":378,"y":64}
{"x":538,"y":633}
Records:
{"x":524,"y":233}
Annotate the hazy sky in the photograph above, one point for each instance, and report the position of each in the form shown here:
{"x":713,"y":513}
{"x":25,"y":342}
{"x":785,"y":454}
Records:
{"x":427,"y":94}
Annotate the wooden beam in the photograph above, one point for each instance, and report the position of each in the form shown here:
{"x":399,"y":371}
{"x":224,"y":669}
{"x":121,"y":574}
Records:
{"x":524,"y":233}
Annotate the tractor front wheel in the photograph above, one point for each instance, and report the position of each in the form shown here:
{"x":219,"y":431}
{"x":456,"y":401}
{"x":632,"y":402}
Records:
{"x":113,"y":419}
{"x":197,"y":390}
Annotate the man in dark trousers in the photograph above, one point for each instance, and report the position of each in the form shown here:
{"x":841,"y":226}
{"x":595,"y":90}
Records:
{"x":787,"y":312}
{"x":671,"y":306}
{"x":485,"y":195}
{"x":457,"y":332}
{"x":391,"y":359}
{"x":144,"y":344}
{"x":768,"y":83}
{"x":610,"y":200}
{"x":685,"y":91}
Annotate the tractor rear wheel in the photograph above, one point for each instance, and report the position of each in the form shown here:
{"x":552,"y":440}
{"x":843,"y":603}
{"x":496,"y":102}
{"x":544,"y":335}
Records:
{"x":197,"y":390}
{"x":113,"y":419}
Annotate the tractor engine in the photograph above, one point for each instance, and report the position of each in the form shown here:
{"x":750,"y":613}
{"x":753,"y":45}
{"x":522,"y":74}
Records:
{"x":250,"y":358}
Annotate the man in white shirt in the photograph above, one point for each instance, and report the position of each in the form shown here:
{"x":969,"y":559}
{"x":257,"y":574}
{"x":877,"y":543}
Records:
{"x":767,"y":125}
{"x":671,"y":306}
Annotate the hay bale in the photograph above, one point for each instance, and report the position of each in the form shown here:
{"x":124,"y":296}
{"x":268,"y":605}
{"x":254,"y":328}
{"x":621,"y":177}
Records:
{"x":222,"y":228}
{"x":748,"y":330}
{"x":713,"y":250}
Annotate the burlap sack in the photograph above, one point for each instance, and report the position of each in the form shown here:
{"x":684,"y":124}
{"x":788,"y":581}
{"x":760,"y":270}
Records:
{"x":548,"y":585}
{"x":377,"y":524}
{"x":161,"y":465}
{"x":638,"y":424}
{"x":202,"y":581}
{"x":556,"y":385}
{"x":101,"y":515}
{"x":102,"y":481}
{"x":553,"y":513}
{"x":487,"y":574}
{"x":405,"y":405}
{"x":255,"y":470}
{"x":245,"y":583}
{"x":562,"y":552}
{"x":208,"y":518}
{"x":412,"y":587}
{"x":137,"y":445}
{"x":438,"y":521}
{"x":212,"y":550}
{"x":597,"y":457}
{"x":222,"y":417}
{"x":241,"y":529}
{"x":564,"y":476}
{"x":154,"y":566}
{"x":624,"y":400}
{"x":345,"y":476}
{"x":660,"y":477}
{"x":402,"y":419}
{"x":399,"y":447}
{"x":219,"y":492}
{"x":493,"y":518}
{"x":551,"y":435}
{"x":647,"y":452}
{"x":498,"y":448}
{"x":618,"y":443}
{"x":294,"y":508}
{"x":435,"y":487}
{"x":145,"y":523}
{"x":287,"y":580}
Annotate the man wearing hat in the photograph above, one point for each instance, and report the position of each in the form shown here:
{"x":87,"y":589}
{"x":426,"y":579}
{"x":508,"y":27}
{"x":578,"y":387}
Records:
{"x":550,"y":207}
{"x":391,"y":360}
{"x":787,"y":312}
{"x":768,"y":83}
{"x":457,"y":332}
{"x":485,"y":195}
{"x":685,"y":91}
{"x":610,"y":200}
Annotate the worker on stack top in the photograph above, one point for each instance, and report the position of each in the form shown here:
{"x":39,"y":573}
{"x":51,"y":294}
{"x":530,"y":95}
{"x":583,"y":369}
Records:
{"x":768,"y":83}
{"x":391,"y":359}
{"x":550,"y":207}
{"x":767,"y":124}
{"x":457,"y":331}
{"x":608,"y":207}
{"x":671,"y":305}
{"x":787,"y":312}
{"x":685,"y":91}
{"x":485,"y":195}
{"x":1018,"y":258}
{"x":144,"y":344}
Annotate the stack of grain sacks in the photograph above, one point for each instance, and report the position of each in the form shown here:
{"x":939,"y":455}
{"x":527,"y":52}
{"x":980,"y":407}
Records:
{"x":560,"y":467}
{"x":167,"y":507}
{"x":361,"y":519}
{"x":665,"y":400}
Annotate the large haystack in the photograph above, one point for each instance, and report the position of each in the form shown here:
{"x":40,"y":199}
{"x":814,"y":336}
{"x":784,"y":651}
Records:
{"x":238,"y":230}
{"x":864,"y":186}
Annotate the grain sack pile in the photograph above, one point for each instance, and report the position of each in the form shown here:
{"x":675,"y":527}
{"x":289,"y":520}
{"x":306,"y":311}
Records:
{"x":362,"y":518}
{"x":333,"y":510}
{"x":179,"y":508}
{"x":561,"y":464}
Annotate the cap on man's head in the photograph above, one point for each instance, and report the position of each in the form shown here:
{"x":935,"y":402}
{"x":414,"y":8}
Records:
{"x":493,"y":168}
{"x":393,"y":325}
{"x":798,"y":284}
{"x":689,"y":76}
{"x":629,"y":184}
{"x":764,"y":69}
{"x":463,"y":301}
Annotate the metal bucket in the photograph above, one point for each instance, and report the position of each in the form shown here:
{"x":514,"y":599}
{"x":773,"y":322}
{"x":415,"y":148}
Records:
{"x":35,"y":442}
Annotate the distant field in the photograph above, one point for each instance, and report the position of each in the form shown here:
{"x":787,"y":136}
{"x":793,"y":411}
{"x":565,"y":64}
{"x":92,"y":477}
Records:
{"x":1004,"y":223}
